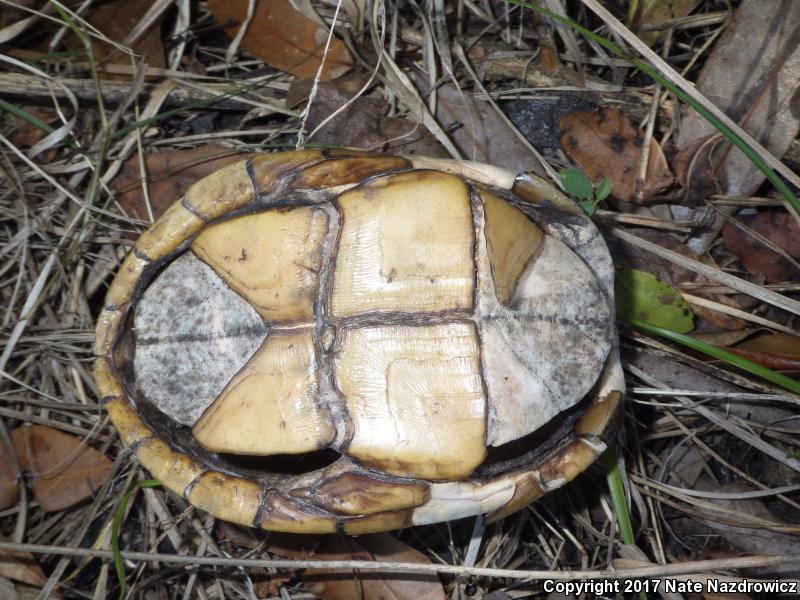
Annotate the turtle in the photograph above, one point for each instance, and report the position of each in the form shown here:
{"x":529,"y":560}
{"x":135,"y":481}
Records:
{"x":338,"y":341}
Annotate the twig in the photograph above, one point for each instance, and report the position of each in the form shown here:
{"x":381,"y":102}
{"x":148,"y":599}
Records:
{"x":682,"y":568}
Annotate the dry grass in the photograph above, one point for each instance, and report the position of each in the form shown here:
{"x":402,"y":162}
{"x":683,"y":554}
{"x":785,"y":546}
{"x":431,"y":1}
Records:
{"x":690,"y":448}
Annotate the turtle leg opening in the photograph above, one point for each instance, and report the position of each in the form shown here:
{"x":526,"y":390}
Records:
{"x":281,"y":464}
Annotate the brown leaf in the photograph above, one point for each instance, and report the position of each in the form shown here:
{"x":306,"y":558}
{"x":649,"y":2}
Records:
{"x":284,"y":38}
{"x":772,"y":350}
{"x":169,"y":175}
{"x":64,"y":469}
{"x":116,"y":20}
{"x":752,"y":75}
{"x":694,"y":171}
{"x":9,"y":485}
{"x":349,"y":585}
{"x":480,"y":133}
{"x":20,"y":566}
{"x":781,"y":229}
{"x":606,"y":144}
{"x":363,"y":124}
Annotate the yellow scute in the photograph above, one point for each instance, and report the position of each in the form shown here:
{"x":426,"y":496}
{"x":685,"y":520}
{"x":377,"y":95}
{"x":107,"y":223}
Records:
{"x":269,"y":407}
{"x":416,"y":398}
{"x":406,"y":245}
{"x":271,"y":258}
{"x":512,"y":240}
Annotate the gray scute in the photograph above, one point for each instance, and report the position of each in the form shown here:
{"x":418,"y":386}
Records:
{"x":545,"y":356}
{"x":193,"y":334}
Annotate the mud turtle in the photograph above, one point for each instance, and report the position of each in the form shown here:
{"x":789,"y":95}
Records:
{"x":321,"y":341}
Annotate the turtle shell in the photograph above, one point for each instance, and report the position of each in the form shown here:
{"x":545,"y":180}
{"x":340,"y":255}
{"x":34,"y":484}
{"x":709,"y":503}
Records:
{"x":321,"y":341}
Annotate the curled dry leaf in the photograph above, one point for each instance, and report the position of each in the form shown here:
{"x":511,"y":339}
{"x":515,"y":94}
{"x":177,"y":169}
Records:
{"x":781,"y":229}
{"x":604,"y":143}
{"x":349,"y":585}
{"x":169,"y":175}
{"x":63,"y":468}
{"x":284,"y":38}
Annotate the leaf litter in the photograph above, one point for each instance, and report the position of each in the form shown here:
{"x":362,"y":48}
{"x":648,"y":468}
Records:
{"x":394,"y":78}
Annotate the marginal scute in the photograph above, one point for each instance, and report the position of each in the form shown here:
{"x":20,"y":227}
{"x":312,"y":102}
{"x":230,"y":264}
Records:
{"x":174,"y":469}
{"x":269,"y":169}
{"x":279,"y":513}
{"x":567,"y":463}
{"x":384,"y":521}
{"x":193,"y":334}
{"x":221,"y":192}
{"x":512,"y":240}
{"x":343,"y":171}
{"x":415,"y":397}
{"x":359,"y":493}
{"x":108,"y":326}
{"x":271,"y":258}
{"x":269,"y":406}
{"x":176,"y":225}
{"x":130,"y":426}
{"x":458,"y":499}
{"x":601,"y":414}
{"x":227,"y":497}
{"x":406,"y":245}
{"x":545,"y":358}
{"x":107,"y":378}
{"x":534,"y":189}
{"x":121,"y":289}
{"x":527,"y":489}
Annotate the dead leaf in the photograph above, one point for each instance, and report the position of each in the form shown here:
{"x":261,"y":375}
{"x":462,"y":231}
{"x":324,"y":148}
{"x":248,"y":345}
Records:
{"x":7,"y":590}
{"x":115,"y":20}
{"x":772,"y":350}
{"x":344,"y":585}
{"x":604,"y":143}
{"x":781,"y":229}
{"x":694,"y":171}
{"x":21,"y":566}
{"x":169,"y":175}
{"x":9,"y":485}
{"x":755,"y":539}
{"x":479,"y":132}
{"x":752,"y":74}
{"x":656,"y":11}
{"x":64,"y":470}
{"x":363,"y":124}
{"x":284,"y":38}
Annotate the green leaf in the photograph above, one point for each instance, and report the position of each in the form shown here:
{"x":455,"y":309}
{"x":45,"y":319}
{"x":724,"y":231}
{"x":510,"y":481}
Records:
{"x":588,"y":207}
{"x":576,"y":183}
{"x":603,"y":190}
{"x":640,"y":296}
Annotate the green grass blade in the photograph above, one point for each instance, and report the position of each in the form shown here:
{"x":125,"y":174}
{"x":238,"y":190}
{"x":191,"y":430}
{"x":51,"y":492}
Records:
{"x":610,"y":461}
{"x":25,"y":116}
{"x":749,"y":366}
{"x":116,"y":524}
